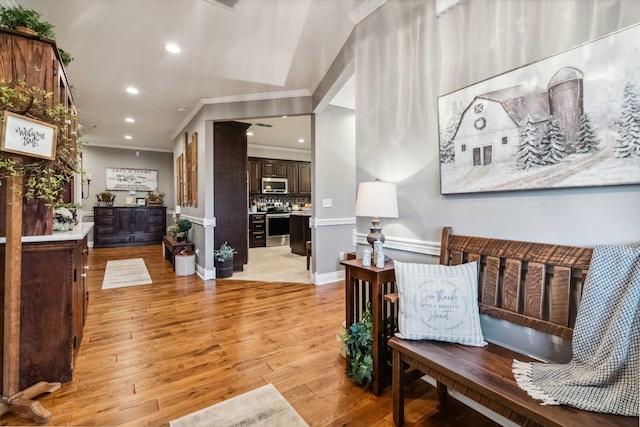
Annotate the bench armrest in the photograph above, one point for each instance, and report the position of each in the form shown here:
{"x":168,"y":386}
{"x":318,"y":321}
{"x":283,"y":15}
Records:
{"x":392,"y":298}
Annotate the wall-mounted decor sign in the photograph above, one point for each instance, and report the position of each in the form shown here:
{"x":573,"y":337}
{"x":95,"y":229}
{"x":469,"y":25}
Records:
{"x":571,"y":120}
{"x":131,"y":179}
{"x":27,"y":136}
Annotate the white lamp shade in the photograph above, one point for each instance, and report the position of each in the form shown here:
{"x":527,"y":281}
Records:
{"x":377,"y":199}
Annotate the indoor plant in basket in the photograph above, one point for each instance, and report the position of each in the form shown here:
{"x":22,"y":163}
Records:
{"x":184,"y":225}
{"x":224,"y":260}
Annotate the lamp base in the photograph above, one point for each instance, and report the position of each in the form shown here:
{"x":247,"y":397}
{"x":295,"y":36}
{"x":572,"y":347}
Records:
{"x":375,"y":235}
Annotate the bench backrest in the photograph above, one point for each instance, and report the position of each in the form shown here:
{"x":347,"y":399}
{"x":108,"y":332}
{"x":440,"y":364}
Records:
{"x":531,"y":284}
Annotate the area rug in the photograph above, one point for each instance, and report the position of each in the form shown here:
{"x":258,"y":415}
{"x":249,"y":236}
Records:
{"x":125,"y":272}
{"x":263,"y":406}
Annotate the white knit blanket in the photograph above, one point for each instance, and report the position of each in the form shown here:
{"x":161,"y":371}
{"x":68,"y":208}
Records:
{"x":603,"y":373}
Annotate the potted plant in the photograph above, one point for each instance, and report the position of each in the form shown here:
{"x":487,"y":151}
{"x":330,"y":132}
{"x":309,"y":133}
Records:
{"x":28,"y":21}
{"x":184,"y":225}
{"x":358,"y":341}
{"x":106,"y":197}
{"x":224,"y":260}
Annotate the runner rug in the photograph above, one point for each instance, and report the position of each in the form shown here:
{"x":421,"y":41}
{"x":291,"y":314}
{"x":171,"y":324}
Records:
{"x":264,"y":406}
{"x":125,"y":272}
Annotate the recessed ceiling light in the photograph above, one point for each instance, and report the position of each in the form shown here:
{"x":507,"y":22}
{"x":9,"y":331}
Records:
{"x":172,"y":47}
{"x":132,"y":90}
{"x":129,"y":120}
{"x":284,"y":117}
{"x":128,"y":137}
{"x":249,"y":133}
{"x":182,"y":108}
{"x":301,"y":140}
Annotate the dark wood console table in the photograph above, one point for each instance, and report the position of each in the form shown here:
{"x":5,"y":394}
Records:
{"x":361,"y":282}
{"x":172,"y":247}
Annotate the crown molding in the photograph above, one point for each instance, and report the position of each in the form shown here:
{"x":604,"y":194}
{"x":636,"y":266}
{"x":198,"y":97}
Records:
{"x":275,"y":148}
{"x":366,"y":9}
{"x":129,"y":147}
{"x":256,"y":97}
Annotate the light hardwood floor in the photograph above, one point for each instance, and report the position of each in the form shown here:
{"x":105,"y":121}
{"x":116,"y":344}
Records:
{"x":153,"y":353}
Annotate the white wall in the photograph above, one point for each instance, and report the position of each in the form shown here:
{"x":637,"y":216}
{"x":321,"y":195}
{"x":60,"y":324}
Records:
{"x":406,"y":58}
{"x":333,"y":170}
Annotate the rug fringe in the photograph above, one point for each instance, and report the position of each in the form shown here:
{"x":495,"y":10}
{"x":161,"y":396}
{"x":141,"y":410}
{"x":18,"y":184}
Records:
{"x":522,"y":374}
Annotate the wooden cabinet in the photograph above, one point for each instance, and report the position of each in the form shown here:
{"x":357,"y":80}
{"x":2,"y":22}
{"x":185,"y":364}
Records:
{"x":304,"y":179}
{"x":299,"y":233}
{"x":230,"y":189}
{"x":254,"y":176}
{"x":53,"y":308}
{"x":36,"y":61}
{"x":298,"y":174}
{"x":257,"y":231}
{"x":128,"y":226}
{"x":274,"y":169}
{"x":292,"y":177}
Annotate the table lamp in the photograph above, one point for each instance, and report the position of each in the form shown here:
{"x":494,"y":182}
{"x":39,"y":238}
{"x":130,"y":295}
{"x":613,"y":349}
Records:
{"x":376,"y":200}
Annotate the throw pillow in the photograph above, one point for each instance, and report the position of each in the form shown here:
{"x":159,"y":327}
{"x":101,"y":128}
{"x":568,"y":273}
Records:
{"x":439,"y":302}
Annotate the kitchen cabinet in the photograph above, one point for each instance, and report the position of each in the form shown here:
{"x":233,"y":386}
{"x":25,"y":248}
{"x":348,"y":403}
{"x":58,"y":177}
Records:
{"x":304,"y":179}
{"x":128,"y":226}
{"x":298,"y":174}
{"x":299,"y":232}
{"x":257,"y":231}
{"x":274,"y":169}
{"x":292,"y":177}
{"x":230,"y":189}
{"x":254,"y":175}
{"x":53,"y":306}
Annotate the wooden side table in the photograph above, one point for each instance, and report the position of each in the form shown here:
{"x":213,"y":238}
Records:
{"x":172,"y":247}
{"x":363,"y":284}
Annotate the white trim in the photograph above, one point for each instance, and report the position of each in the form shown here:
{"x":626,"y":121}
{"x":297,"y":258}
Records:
{"x":205,"y":274}
{"x":210,"y":222}
{"x":130,"y":147}
{"x":403,"y":244}
{"x":275,"y":148}
{"x":188,"y":119}
{"x":316,"y":223}
{"x":326,"y":278}
{"x":365,"y":10}
{"x":256,"y":96}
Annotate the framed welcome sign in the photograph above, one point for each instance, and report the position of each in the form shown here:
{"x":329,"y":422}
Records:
{"x":27,"y":136}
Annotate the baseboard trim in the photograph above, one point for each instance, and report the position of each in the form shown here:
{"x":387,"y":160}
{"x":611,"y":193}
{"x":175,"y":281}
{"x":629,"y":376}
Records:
{"x":326,"y":278}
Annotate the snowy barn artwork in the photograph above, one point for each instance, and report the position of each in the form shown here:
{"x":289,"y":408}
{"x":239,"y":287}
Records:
{"x":565,"y":121}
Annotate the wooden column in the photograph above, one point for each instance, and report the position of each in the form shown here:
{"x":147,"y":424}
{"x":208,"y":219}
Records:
{"x":12,"y":399}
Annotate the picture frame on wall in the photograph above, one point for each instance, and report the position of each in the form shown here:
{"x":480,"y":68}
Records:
{"x":141,"y":201}
{"x":28,"y":136}
{"x":570,"y":120}
{"x":128,"y":179}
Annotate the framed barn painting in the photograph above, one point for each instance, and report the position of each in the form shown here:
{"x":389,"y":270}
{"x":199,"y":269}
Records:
{"x":571,"y":120}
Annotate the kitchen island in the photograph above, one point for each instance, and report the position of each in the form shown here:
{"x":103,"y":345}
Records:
{"x":299,"y":231}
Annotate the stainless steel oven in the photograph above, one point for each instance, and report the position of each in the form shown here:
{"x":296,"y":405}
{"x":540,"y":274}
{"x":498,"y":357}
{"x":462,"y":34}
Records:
{"x":277,"y":229}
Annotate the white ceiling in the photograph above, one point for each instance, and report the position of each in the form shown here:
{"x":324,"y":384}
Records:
{"x":260,"y":49}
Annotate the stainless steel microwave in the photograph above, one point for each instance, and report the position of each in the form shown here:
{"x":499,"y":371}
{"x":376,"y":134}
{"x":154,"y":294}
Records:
{"x":275,"y":185}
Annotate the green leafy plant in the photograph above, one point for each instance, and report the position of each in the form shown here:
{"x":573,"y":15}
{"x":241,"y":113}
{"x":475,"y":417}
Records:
{"x":358,"y":341}
{"x":224,"y":252}
{"x":18,"y":16}
{"x":44,"y":179}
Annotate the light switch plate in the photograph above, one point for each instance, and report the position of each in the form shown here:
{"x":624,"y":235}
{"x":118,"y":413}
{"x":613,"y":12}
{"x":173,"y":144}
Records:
{"x":327,"y":203}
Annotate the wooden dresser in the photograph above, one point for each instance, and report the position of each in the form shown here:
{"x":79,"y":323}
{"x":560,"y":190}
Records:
{"x":53,"y":305}
{"x":128,"y":226}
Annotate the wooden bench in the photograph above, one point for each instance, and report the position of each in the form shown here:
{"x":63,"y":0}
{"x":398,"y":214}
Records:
{"x":173,"y":247}
{"x":530,"y":284}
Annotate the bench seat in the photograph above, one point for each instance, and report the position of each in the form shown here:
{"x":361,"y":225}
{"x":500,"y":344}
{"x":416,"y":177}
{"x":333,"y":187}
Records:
{"x":535,"y":285}
{"x":484,"y":375}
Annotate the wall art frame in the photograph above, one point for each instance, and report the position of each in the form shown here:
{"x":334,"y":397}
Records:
{"x":569,"y":120}
{"x":27,"y":136}
{"x":127,"y":179}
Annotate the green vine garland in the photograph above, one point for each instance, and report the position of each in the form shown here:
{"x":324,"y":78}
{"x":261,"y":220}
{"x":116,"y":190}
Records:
{"x":44,"y":179}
